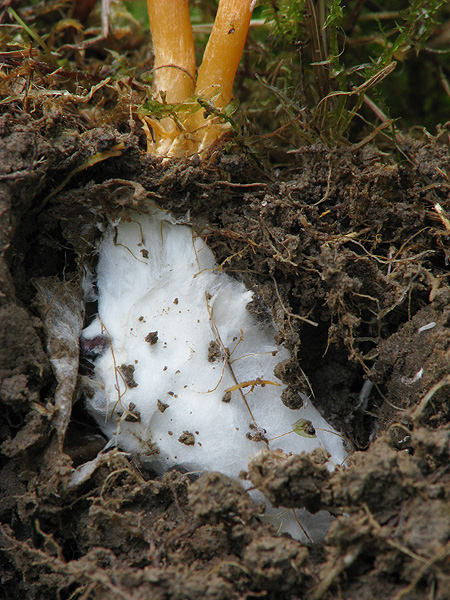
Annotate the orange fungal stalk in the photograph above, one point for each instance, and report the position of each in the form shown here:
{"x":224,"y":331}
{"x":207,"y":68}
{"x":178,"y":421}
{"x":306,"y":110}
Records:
{"x":192,"y":131}
{"x":174,"y":48}
{"x":224,"y":50}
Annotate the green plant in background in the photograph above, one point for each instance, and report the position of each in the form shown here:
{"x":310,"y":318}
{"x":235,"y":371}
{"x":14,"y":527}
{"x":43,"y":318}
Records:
{"x":344,"y":54}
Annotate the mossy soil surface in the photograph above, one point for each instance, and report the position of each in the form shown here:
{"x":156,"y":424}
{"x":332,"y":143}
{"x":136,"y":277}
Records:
{"x":349,"y":252}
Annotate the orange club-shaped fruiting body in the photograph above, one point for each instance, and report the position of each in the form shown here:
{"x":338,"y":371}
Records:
{"x":177,"y":83}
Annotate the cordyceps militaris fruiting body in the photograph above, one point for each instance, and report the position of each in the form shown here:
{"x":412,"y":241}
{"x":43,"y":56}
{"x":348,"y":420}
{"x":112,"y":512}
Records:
{"x":183,"y":372}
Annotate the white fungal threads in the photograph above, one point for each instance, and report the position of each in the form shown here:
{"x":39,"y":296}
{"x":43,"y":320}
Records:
{"x":189,"y":377}
{"x":426,"y":327}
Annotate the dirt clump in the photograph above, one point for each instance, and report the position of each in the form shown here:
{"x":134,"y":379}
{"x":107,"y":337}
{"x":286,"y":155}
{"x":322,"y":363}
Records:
{"x":290,"y":481}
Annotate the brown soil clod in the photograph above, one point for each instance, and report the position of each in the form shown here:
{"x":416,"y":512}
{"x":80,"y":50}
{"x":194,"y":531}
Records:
{"x":187,"y":438}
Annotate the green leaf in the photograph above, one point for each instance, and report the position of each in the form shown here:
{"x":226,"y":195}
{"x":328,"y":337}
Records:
{"x":304,"y":428}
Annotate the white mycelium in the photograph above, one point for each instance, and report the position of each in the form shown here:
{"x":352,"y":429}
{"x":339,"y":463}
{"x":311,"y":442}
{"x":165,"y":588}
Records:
{"x":186,"y":375}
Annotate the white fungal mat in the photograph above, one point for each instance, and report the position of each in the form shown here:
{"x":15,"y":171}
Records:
{"x":186,"y":372}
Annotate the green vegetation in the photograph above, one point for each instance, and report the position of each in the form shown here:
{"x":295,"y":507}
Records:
{"x":313,"y":70}
{"x":352,"y":60}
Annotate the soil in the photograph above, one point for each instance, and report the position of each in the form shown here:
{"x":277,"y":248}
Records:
{"x":348,"y":251}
